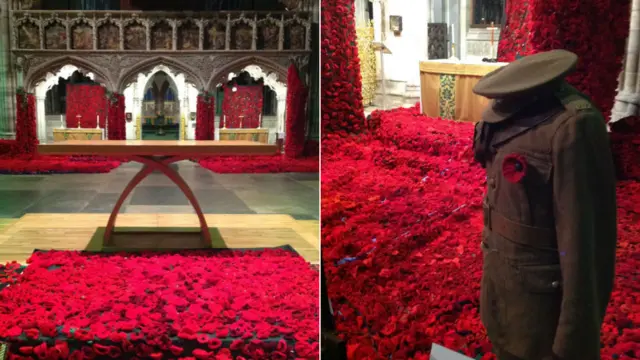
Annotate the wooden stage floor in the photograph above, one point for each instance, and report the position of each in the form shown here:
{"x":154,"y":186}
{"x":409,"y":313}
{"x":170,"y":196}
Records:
{"x":19,"y":238}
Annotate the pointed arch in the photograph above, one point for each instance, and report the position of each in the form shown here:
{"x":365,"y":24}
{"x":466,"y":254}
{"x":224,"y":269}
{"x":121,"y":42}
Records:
{"x":176,"y":66}
{"x":48,"y":69}
{"x":269,"y":66}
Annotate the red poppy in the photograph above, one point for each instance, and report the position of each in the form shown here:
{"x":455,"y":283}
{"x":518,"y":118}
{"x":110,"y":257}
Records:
{"x":94,"y":305}
{"x":261,"y":164}
{"x":401,"y":208}
{"x":514,"y":168}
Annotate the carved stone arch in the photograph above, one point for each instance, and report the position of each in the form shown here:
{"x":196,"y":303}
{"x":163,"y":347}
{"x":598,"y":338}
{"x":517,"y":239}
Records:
{"x":42,"y":72}
{"x":270,"y":79}
{"x":267,"y":65}
{"x":177,"y":67}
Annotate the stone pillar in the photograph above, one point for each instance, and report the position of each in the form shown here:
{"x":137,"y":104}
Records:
{"x":361,"y":12}
{"x":377,"y":21}
{"x":416,"y":30}
{"x":7,"y":78}
{"x":281,"y":111}
{"x":463,"y":28}
{"x":41,"y":120}
{"x":628,"y":98}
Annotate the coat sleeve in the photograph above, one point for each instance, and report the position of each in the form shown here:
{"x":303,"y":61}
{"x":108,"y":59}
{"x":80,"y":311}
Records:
{"x":575,"y":206}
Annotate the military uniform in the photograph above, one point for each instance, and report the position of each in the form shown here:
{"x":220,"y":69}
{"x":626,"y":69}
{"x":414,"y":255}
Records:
{"x":550,"y":212}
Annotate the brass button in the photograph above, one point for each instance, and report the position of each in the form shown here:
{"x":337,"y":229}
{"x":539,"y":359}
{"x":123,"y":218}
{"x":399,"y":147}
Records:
{"x":555,"y":284}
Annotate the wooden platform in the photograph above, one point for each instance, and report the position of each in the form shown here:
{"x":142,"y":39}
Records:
{"x":191,"y":148}
{"x":74,"y":231}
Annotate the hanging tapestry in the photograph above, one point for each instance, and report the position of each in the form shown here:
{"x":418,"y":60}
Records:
{"x":242,"y":108}
{"x":87,"y":101}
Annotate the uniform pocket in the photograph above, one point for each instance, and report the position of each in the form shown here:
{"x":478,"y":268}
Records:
{"x":519,"y":305}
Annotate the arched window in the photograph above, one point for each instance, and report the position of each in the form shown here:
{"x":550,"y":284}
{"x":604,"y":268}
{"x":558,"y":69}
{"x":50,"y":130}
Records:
{"x":148,"y":95}
{"x":170,"y":95}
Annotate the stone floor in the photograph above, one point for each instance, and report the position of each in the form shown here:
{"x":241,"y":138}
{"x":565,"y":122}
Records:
{"x":291,"y":194}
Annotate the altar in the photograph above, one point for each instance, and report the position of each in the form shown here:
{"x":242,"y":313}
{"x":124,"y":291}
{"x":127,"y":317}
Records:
{"x":260,"y":135}
{"x":446,"y":88}
{"x":78,"y":134}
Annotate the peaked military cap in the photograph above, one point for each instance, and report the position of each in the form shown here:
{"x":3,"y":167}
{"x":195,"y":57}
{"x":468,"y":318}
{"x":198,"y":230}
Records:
{"x":526,"y":74}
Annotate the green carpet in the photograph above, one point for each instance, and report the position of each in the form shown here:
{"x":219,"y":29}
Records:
{"x":152,"y":135}
{"x":154,"y":239}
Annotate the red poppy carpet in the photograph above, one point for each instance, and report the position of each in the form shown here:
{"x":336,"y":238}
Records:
{"x":401,"y":226}
{"x":218,"y":305}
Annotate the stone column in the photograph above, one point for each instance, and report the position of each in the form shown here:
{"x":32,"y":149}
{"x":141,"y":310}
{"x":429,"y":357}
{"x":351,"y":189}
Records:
{"x":41,"y":120}
{"x":377,"y":21}
{"x":463,"y":28}
{"x":281,"y":114}
{"x":361,"y":12}
{"x":628,"y":98}
{"x":7,"y":78}
{"x":416,"y":30}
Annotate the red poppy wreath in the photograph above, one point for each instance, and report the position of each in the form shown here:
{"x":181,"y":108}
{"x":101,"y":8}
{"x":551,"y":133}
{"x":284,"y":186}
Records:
{"x":514,"y":168}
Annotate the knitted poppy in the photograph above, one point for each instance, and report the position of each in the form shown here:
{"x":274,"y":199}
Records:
{"x":514,"y":168}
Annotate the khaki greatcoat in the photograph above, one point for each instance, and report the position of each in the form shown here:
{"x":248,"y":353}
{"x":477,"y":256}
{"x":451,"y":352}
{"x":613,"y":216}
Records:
{"x":549,"y":240}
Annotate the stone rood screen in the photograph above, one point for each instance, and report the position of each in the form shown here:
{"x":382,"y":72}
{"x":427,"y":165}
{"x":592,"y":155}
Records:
{"x":108,"y":31}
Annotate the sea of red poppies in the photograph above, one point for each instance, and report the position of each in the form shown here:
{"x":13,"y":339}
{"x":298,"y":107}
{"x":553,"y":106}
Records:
{"x":261,"y":164}
{"x":225,"y":305}
{"x":401,"y":223}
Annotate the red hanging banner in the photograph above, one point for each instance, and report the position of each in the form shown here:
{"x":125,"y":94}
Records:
{"x":89,"y":102}
{"x":242,"y":107}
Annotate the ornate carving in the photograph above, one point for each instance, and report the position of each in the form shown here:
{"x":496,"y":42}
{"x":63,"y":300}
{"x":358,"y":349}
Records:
{"x":243,"y":35}
{"x":269,"y":33}
{"x":108,"y":33}
{"x":161,"y":36}
{"x":28,"y":4}
{"x":297,"y":37}
{"x":270,"y":79}
{"x":82,"y":33}
{"x":28,"y":35}
{"x":188,"y":35}
{"x":215,"y":35}
{"x":55,"y":33}
{"x":135,"y":34}
{"x":301,"y":62}
{"x":292,"y":5}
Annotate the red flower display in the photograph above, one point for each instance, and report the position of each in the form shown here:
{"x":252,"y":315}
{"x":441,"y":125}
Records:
{"x":205,"y":125}
{"x":597,"y":31}
{"x":514,"y":168}
{"x":89,"y":102}
{"x":341,"y":84}
{"x":260,"y":164}
{"x":117,"y":126}
{"x":199,"y":304}
{"x":242,"y":107}
{"x":13,"y":163}
{"x":401,"y":227}
{"x":625,"y":147}
{"x":296,"y":114}
{"x":26,"y":137}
